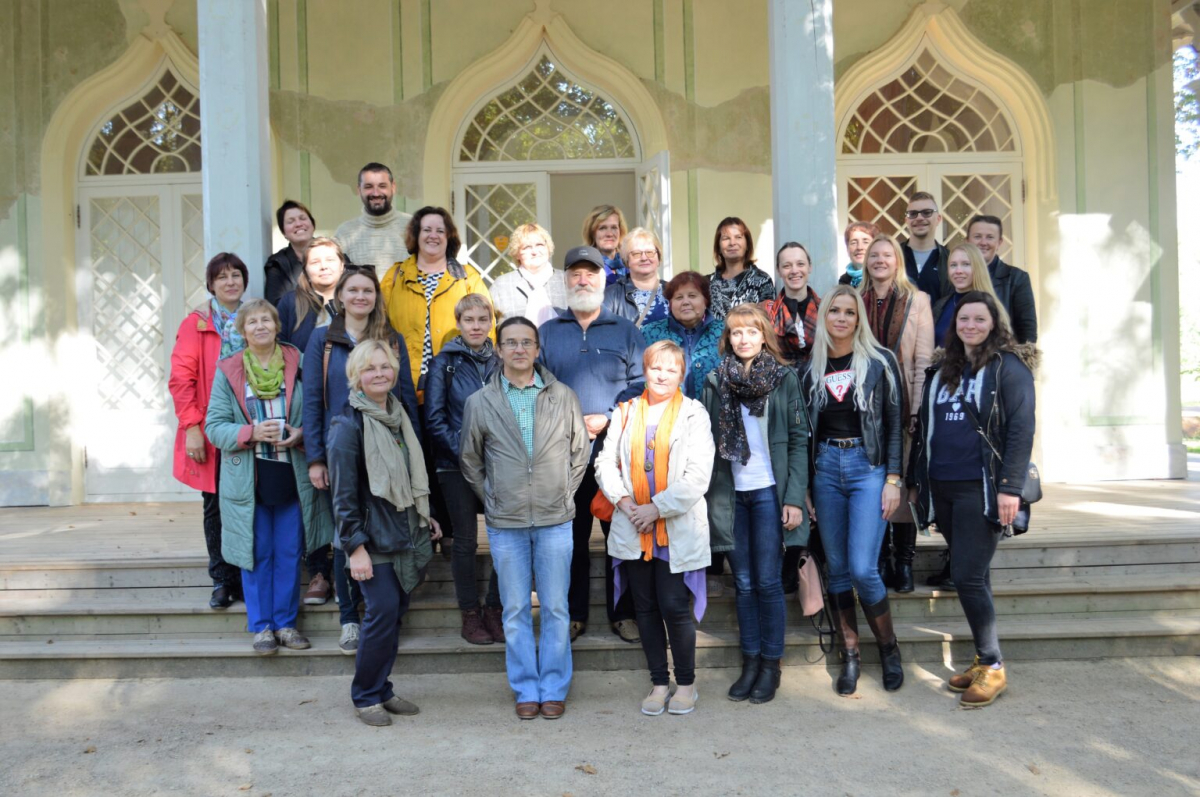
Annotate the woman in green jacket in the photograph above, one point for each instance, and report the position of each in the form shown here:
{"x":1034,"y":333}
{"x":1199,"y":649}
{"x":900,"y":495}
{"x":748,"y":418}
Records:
{"x":756,"y":499}
{"x":268,"y":512}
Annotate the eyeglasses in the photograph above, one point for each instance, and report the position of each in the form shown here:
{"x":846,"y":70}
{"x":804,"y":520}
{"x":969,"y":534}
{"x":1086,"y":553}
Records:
{"x":643,"y":253}
{"x":513,"y":345}
{"x":924,"y":214}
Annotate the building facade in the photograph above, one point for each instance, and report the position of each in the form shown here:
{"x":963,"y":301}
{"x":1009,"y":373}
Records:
{"x":140,"y":135}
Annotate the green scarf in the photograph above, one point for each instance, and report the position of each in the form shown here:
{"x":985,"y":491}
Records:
{"x":265,"y":382}
{"x":395,"y":471}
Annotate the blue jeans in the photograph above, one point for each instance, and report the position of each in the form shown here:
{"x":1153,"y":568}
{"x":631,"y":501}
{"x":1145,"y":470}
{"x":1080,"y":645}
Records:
{"x":539,"y":674}
{"x":272,"y":588}
{"x":848,"y":497}
{"x":756,"y":561}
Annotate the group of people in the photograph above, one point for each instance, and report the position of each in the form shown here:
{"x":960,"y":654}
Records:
{"x":355,"y":423}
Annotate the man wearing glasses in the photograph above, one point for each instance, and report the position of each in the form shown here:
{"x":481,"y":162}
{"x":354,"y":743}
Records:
{"x":598,"y":354}
{"x":524,"y":452}
{"x":924,"y":257}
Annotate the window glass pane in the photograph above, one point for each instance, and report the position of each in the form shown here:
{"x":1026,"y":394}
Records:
{"x":157,"y":133}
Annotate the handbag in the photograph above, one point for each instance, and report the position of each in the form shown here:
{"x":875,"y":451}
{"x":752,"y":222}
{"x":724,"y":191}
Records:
{"x":601,"y":508}
{"x":810,"y":594}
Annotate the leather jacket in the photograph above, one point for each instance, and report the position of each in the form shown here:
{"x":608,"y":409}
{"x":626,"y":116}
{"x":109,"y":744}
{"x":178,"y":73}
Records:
{"x":359,"y":516}
{"x":454,"y":375}
{"x":882,"y":424}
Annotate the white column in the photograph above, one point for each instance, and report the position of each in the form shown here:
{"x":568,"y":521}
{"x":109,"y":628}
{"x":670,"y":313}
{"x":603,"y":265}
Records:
{"x":235,"y":130}
{"x":803,"y":146}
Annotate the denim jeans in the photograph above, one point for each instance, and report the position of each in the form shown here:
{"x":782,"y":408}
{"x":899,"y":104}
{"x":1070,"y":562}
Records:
{"x":756,"y":561}
{"x":462,"y":506}
{"x":958,"y":507}
{"x":848,"y":497}
{"x":661,"y":598}
{"x":386,"y":604}
{"x":539,"y":674}
{"x":272,"y":588}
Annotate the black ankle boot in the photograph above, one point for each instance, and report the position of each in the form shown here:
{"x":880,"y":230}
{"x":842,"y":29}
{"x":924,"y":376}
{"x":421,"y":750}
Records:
{"x":745,"y":683}
{"x":904,"y":540}
{"x":893,"y":671}
{"x":879,"y":617}
{"x":847,"y":682}
{"x":767,"y":682}
{"x":942,"y":578}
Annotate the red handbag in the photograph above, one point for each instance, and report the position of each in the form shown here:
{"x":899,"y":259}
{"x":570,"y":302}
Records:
{"x":601,"y":508}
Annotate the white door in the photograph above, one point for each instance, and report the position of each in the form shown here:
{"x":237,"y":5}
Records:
{"x":488,"y":206}
{"x":142,"y":270}
{"x":654,"y":203}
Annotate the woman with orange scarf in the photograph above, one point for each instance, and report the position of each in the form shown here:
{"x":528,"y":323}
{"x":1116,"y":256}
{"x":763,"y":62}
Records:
{"x":656,"y":472}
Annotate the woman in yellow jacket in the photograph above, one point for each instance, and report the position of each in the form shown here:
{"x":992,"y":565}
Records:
{"x":420,"y":293}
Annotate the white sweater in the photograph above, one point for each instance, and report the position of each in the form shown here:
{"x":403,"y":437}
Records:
{"x":374,"y":240}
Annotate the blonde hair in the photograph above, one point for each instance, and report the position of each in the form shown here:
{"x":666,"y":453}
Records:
{"x":865,"y":349}
{"x":901,"y":280}
{"x":471,"y":301}
{"x":250,"y":308}
{"x":360,"y":358}
{"x":635,"y":234}
{"x":751,"y":315}
{"x":981,"y":280}
{"x":599,"y":213}
{"x":521,"y":236}
{"x":664,"y":348}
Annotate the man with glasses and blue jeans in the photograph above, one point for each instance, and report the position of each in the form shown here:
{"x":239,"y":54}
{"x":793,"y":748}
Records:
{"x":524,"y":451}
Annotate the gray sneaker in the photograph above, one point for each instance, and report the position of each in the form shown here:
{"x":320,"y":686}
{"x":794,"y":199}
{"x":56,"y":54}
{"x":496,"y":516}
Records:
{"x":398,"y":705}
{"x":375,"y":715}
{"x":264,"y":643}
{"x":292,"y":639}
{"x":348,"y":644}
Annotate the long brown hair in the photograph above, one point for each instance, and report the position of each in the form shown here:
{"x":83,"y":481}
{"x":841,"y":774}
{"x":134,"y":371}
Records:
{"x":751,"y":315}
{"x":732,"y":221}
{"x":307,"y":299}
{"x":378,"y":326}
{"x":998,"y":340}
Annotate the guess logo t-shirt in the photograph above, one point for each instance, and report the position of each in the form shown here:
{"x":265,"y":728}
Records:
{"x":839,"y":419}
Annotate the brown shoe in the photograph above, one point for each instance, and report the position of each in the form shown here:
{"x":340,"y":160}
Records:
{"x":988,"y":685}
{"x":962,"y":681}
{"x":527,"y":711}
{"x":318,"y":591}
{"x":627,"y":630}
{"x":473,"y":630}
{"x":493,"y":621}
{"x":577,"y":627}
{"x":553,"y":709}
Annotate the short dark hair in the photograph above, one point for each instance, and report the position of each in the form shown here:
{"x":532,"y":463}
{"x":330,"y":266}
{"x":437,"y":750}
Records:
{"x":986,"y":219}
{"x":732,"y":221}
{"x":793,"y":245}
{"x":375,"y":167}
{"x":517,"y":321}
{"x":222,"y":261}
{"x":290,"y":204}
{"x":688,"y":279}
{"x":453,"y":242}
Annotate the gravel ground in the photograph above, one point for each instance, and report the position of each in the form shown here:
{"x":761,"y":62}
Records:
{"x":1110,"y":727}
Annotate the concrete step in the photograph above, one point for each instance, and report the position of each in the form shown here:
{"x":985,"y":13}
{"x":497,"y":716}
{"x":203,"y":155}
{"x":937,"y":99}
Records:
{"x":200,"y":655}
{"x":169,"y":610}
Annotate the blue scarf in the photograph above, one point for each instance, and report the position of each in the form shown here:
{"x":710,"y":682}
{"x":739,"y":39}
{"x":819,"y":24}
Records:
{"x":614,"y":268}
{"x":223,"y":320}
{"x":856,"y":275}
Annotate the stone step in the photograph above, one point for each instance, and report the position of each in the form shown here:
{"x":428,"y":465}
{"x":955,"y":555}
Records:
{"x":199,"y":655}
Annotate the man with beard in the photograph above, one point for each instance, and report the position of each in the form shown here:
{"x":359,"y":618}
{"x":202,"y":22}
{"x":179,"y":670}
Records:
{"x":376,"y":238}
{"x":598,"y":355}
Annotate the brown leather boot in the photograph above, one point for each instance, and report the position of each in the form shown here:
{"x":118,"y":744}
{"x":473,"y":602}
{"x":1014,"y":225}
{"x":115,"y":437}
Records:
{"x":845,"y":620}
{"x":879,"y":617}
{"x":988,"y":685}
{"x":493,"y":621}
{"x":960,"y":682}
{"x":473,"y":630}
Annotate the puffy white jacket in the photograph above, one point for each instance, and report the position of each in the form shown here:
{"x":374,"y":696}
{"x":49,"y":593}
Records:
{"x":681,"y":504}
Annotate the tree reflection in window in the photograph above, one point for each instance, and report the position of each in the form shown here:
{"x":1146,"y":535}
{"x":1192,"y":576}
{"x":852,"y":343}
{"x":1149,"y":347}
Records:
{"x":158,"y":133}
{"x":546,"y":116}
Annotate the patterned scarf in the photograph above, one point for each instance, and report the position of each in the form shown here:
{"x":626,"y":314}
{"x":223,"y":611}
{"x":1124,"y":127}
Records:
{"x":736,"y":387}
{"x":265,"y":382}
{"x":856,"y":275}
{"x":886,"y":317}
{"x":223,"y":320}
{"x":393,"y":473}
{"x":637,"y":462}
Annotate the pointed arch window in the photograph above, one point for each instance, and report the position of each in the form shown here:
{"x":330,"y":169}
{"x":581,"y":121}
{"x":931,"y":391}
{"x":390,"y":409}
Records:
{"x":158,"y":133}
{"x":547,"y":116}
{"x":928,"y":110}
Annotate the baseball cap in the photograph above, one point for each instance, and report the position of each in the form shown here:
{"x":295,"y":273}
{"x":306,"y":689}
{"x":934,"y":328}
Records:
{"x":584,"y":254}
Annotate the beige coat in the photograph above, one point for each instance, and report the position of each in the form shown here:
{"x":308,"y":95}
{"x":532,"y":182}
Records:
{"x":916,"y":347}
{"x":681,"y":504}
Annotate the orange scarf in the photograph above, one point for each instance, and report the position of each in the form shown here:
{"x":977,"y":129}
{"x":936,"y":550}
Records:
{"x":637,"y":462}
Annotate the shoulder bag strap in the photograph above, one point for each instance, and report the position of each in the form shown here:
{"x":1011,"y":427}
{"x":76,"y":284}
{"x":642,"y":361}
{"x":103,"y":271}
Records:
{"x":325,"y":371}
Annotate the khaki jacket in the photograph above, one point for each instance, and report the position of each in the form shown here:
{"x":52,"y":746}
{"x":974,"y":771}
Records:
{"x":519,"y":493}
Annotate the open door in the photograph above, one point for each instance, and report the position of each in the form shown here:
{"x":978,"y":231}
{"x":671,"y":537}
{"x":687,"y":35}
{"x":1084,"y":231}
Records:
{"x":654,"y":203}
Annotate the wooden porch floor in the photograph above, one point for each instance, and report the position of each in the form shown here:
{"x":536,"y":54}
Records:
{"x":1078,"y":514}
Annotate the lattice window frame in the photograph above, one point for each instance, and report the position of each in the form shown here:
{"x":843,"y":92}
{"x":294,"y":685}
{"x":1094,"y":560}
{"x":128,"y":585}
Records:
{"x":488,"y":135}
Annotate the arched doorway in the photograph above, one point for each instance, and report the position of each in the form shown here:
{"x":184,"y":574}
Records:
{"x":140,"y":269}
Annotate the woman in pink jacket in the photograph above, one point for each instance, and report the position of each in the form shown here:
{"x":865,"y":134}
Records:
{"x":205,"y":336}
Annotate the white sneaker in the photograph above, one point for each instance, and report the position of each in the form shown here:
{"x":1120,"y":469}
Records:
{"x":348,"y":643}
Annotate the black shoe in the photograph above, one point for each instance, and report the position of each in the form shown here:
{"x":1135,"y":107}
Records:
{"x":767,"y":682}
{"x":847,"y":682}
{"x":942,"y":579}
{"x":903,"y":582}
{"x":222,"y":597}
{"x":743,"y":685}
{"x":893,"y":672}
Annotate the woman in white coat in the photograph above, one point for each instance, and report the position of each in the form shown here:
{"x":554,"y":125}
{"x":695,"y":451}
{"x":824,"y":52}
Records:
{"x":656,"y":472}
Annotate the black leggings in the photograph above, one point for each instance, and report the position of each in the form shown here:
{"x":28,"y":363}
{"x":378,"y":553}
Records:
{"x":660,"y":596}
{"x":220,"y":571}
{"x":579,"y":593}
{"x":958,"y":510}
{"x":462,"y":506}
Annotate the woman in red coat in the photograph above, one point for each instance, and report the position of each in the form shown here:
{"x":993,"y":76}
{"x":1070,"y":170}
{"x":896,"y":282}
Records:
{"x":205,"y":336}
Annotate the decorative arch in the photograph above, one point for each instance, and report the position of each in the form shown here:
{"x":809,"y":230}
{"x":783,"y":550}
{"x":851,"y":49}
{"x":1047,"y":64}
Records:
{"x":509,"y":63}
